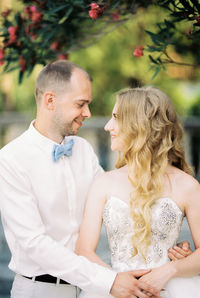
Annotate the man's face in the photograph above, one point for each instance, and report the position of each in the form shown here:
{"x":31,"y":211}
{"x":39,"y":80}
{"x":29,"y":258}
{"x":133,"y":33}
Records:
{"x":72,"y":106}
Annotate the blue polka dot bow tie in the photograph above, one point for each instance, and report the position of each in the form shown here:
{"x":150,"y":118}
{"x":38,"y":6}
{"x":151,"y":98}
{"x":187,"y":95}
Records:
{"x":60,"y":150}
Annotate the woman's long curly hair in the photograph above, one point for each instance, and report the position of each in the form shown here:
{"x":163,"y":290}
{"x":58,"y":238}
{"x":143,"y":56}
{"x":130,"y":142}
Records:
{"x":152,"y":135}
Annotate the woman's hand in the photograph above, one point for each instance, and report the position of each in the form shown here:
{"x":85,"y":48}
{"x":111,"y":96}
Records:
{"x":180,"y":251}
{"x":159,"y":277}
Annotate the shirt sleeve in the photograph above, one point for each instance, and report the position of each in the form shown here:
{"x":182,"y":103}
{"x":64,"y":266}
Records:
{"x":22,"y":219}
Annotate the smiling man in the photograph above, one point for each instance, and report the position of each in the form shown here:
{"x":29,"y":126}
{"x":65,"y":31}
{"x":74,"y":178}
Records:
{"x":62,"y":105}
{"x":45,"y":175}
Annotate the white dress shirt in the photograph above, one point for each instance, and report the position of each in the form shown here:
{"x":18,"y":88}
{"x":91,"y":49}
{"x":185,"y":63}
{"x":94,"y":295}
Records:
{"x":42,"y":204}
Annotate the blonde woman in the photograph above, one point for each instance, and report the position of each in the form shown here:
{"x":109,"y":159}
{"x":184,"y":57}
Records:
{"x":142,"y":203}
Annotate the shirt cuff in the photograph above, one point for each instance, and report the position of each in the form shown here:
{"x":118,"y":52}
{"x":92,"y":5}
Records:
{"x":105,"y":279}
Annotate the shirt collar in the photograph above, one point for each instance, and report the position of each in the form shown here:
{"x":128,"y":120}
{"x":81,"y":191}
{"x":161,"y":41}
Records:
{"x":40,"y":139}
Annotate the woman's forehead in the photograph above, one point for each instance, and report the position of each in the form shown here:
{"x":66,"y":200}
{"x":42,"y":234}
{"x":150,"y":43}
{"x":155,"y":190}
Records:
{"x":115,"y":108}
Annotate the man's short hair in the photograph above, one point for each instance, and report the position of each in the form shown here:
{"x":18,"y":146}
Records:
{"x":55,"y":77}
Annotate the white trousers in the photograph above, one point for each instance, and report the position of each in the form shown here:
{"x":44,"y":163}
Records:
{"x":26,"y":288}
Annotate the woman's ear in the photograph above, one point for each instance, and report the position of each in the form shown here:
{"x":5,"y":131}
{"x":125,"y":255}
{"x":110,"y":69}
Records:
{"x":49,"y":100}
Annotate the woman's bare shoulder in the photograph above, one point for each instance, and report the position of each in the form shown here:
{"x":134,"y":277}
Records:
{"x":106,"y":177}
{"x":184,"y":184}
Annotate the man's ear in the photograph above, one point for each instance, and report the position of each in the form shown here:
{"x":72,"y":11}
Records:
{"x":49,"y":100}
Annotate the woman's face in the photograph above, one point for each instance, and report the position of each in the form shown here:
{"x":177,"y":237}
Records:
{"x":112,"y":126}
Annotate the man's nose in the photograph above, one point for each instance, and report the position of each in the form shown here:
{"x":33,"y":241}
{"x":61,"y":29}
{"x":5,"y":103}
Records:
{"x":86,"y":112}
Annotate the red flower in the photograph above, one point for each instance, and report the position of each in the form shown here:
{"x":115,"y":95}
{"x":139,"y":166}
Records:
{"x":27,"y":29}
{"x":94,"y":5}
{"x":62,"y":56}
{"x":198,"y":19}
{"x":1,"y":56}
{"x":54,"y":46}
{"x":115,"y":16}
{"x":33,"y":9}
{"x":33,"y":36}
{"x":6,"y":13}
{"x":138,"y":51}
{"x":33,"y":13}
{"x":100,"y":11}
{"x":37,"y":16}
{"x":27,"y":10}
{"x":12,"y":30}
{"x":18,"y":44}
{"x":22,"y":63}
{"x":95,"y":10}
{"x":93,"y":13}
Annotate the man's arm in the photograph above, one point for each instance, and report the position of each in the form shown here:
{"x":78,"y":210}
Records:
{"x":22,"y":221}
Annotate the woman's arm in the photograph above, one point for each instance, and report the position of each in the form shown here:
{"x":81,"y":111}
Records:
{"x":190,"y":265}
{"x":92,"y":221}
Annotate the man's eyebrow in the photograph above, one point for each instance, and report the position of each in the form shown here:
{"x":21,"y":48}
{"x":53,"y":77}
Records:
{"x":83,"y":100}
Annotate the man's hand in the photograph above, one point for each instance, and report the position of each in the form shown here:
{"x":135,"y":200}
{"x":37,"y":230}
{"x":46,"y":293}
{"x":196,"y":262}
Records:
{"x":180,"y":251}
{"x":160,"y":276}
{"x":126,"y":285}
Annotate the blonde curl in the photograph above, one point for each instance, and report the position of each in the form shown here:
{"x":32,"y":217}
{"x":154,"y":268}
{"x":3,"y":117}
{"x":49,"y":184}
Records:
{"x":152,"y":134}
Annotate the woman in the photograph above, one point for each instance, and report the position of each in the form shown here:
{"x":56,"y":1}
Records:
{"x":142,"y":202}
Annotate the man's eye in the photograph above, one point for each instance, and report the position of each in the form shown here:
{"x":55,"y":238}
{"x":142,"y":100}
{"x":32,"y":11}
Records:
{"x":80,"y":105}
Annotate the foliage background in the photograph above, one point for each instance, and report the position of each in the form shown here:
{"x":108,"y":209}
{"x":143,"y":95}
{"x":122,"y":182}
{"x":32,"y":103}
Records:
{"x":111,"y":63}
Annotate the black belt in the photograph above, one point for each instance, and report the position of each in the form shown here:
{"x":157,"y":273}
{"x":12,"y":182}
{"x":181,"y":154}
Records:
{"x":48,"y":278}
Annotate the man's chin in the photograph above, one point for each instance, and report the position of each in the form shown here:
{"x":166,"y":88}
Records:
{"x":73,"y":132}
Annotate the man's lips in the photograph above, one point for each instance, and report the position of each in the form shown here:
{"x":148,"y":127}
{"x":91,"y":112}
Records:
{"x":78,"y":122}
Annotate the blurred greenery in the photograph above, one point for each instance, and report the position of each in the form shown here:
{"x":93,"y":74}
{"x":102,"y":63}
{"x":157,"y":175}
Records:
{"x":111,"y":63}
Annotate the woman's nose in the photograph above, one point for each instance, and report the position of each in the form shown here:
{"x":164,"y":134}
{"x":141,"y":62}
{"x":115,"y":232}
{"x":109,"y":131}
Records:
{"x":108,"y":125}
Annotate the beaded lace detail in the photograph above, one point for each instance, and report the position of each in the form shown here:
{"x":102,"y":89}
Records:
{"x":165,"y":229}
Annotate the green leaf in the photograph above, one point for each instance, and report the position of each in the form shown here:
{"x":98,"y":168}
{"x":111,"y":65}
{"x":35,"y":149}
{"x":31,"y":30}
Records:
{"x":20,"y":78}
{"x":159,"y":60}
{"x":12,"y":69}
{"x":169,"y":24}
{"x":58,"y":8}
{"x":63,"y":19}
{"x":154,"y":49}
{"x":153,"y":60}
{"x":154,"y":37}
{"x":47,"y":37}
{"x":157,"y":70}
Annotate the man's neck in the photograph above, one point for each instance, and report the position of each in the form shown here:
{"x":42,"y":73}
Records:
{"x":47,"y":132}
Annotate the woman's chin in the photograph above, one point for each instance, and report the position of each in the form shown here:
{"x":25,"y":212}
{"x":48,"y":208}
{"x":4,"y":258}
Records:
{"x":113,"y":148}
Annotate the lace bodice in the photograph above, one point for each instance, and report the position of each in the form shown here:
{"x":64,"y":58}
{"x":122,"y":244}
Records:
{"x":166,"y":224}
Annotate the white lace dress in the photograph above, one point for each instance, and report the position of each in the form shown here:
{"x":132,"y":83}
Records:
{"x":166,"y":224}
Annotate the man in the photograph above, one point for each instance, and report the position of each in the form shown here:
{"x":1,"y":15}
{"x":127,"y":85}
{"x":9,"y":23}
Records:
{"x":43,"y":190}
